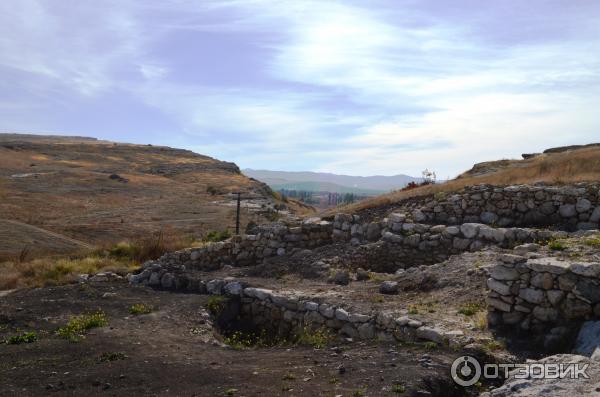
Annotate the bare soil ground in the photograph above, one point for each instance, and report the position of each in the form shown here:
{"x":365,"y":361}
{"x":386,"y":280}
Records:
{"x":172,"y":351}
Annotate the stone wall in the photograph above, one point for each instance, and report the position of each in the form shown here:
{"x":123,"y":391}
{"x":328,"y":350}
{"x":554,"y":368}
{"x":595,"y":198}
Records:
{"x":568,"y":207}
{"x":539,"y":294}
{"x":405,"y":244}
{"x":283,"y":313}
{"x":269,"y":240}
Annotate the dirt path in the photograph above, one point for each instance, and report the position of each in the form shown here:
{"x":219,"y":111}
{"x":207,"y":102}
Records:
{"x":47,"y":232}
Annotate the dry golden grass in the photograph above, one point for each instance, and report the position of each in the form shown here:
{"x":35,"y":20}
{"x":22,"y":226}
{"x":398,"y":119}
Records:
{"x":120,"y":258}
{"x":56,"y":271}
{"x":556,"y":168}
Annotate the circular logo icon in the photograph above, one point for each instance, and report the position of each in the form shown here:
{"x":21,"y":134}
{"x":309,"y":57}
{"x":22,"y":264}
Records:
{"x":465,"y":371}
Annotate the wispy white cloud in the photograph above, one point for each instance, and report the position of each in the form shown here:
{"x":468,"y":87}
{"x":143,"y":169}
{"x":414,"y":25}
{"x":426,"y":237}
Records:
{"x":384,"y":87}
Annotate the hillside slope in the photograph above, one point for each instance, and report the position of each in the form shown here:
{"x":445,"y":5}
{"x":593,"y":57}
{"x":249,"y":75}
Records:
{"x":554,"y":166}
{"x":100,"y":192}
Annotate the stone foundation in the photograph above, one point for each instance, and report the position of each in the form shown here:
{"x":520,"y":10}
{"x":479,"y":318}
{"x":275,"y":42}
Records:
{"x":568,"y":207}
{"x":270,"y":240}
{"x":539,"y":294}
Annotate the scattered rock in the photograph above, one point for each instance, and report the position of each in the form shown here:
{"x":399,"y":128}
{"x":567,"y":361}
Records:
{"x":342,"y":277}
{"x":388,"y":287}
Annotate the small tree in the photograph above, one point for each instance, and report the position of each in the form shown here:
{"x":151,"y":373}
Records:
{"x":428,"y":176}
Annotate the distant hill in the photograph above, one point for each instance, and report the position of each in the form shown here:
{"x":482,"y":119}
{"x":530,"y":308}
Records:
{"x":337,"y":183}
{"x":325,"y":187}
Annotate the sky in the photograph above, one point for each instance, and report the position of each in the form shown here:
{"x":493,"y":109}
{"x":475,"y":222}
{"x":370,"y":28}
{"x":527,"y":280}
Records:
{"x":351,"y":87}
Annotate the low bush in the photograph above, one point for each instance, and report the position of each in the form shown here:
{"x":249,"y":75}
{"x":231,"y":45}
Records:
{"x":469,"y":309}
{"x":593,"y":242}
{"x":398,"y":388}
{"x":27,"y":337}
{"x":108,"y":357}
{"x":140,"y":308}
{"x":79,"y":325}
{"x":557,"y":245}
{"x":317,"y":338}
{"x":216,"y":236}
{"x":215,"y":304}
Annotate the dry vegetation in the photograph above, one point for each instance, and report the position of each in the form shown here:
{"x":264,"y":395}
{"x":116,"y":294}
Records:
{"x":120,"y":258}
{"x":556,"y":168}
{"x":78,"y":192}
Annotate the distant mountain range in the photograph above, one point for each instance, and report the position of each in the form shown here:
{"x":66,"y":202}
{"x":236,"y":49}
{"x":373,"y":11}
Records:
{"x":326,"y":182}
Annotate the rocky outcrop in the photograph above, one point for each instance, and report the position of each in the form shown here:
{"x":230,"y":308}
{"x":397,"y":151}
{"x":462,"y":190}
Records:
{"x":535,"y":386}
{"x":588,"y":340}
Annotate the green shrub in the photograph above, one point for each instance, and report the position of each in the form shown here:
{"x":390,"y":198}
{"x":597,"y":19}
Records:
{"x":493,"y":345}
{"x":557,"y":245}
{"x":107,"y":357}
{"x":244,"y":340}
{"x":78,"y":326}
{"x":124,"y":250}
{"x":430,"y":345}
{"x":216,"y":236}
{"x":593,"y":242}
{"x":318,"y":338}
{"x":140,"y":308}
{"x":215,"y":304}
{"x":27,"y":337}
{"x":469,"y":309}
{"x":398,"y":388}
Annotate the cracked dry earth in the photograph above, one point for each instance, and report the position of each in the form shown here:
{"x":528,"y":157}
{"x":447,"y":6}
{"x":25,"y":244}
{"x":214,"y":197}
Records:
{"x":174,"y":351}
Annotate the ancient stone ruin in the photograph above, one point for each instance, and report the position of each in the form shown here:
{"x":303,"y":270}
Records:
{"x":531,"y":292}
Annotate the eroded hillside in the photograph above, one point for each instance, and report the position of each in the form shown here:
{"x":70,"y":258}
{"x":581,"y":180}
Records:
{"x":100,"y":192}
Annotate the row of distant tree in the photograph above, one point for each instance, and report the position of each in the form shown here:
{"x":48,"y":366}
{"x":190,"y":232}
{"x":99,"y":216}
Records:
{"x":316,"y":198}
{"x":332,"y":199}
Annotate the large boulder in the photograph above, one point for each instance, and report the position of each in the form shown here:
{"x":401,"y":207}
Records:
{"x":389,"y":287}
{"x":567,"y":210}
{"x":341,"y":277}
{"x":536,"y":387}
{"x":470,"y":230}
{"x":588,"y":340}
{"x":373,"y":231}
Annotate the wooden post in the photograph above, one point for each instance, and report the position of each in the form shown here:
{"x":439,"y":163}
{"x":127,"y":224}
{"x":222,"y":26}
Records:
{"x":237,"y":216}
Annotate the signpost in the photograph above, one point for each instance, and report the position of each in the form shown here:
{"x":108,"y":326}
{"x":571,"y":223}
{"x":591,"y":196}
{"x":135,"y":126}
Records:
{"x":237,"y":215}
